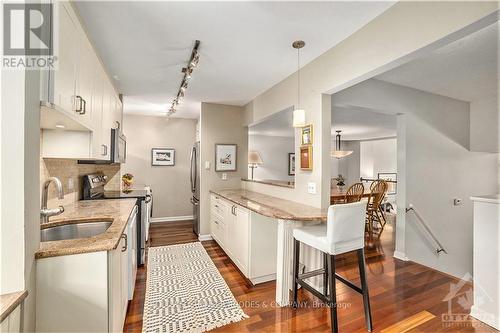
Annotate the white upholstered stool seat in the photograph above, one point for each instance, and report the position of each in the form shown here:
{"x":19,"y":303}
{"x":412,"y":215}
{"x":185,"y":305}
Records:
{"x":343,"y":232}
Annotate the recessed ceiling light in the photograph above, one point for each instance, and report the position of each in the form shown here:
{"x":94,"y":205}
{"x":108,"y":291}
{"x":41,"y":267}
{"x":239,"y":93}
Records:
{"x":61,"y":126}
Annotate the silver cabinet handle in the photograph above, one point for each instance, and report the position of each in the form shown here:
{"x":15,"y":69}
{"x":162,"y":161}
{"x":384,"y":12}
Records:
{"x":124,"y":236}
{"x":148,"y":199}
{"x":104,"y":150}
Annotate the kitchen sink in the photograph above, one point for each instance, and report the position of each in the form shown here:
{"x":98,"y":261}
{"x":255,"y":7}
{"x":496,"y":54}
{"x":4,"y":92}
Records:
{"x":74,"y":230}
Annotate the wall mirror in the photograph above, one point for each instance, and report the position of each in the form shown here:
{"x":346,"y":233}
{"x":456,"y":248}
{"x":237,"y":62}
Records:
{"x":271,"y":150}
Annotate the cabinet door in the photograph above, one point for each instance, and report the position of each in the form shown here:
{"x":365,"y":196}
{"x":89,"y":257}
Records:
{"x":64,"y":78}
{"x":125,"y":250}
{"x":97,"y":113}
{"x":107,"y":119}
{"x":241,"y":236}
{"x":87,"y":62}
{"x":115,"y":290}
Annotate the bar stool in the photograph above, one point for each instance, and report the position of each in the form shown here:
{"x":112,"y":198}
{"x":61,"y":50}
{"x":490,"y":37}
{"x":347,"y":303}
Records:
{"x":343,"y":232}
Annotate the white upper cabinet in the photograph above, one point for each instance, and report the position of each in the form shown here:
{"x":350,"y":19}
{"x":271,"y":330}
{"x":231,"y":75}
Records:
{"x":63,"y":79}
{"x":83,"y":97}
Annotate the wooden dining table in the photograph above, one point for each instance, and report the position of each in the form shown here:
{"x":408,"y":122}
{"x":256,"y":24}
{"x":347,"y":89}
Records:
{"x":336,"y":194}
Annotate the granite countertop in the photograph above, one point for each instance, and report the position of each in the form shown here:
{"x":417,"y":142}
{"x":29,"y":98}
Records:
{"x":492,"y":198}
{"x":273,"y":207}
{"x":115,"y":210}
{"x":8,"y":302}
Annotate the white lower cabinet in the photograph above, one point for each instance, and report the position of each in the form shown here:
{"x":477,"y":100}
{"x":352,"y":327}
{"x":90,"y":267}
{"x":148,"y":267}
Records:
{"x":249,"y":239}
{"x":86,"y":292}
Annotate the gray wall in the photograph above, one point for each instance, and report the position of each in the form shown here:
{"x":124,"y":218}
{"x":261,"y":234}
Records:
{"x":274,"y":153}
{"x":170,"y":184}
{"x":435,"y":166}
{"x":485,"y":125}
{"x":220,"y":124}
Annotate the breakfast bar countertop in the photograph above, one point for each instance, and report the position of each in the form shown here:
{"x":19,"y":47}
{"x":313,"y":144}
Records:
{"x":272,"y":206}
{"x":116,"y":211}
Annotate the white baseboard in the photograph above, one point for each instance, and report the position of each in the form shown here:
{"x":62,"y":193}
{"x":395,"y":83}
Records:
{"x":204,"y":237}
{"x":400,"y":256}
{"x":172,"y":218}
{"x":262,"y":279}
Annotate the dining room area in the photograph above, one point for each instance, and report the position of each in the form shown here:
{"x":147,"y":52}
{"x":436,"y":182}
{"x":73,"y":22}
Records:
{"x":364,"y":165}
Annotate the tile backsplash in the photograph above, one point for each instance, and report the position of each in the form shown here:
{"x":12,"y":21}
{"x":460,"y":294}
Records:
{"x":66,"y":169}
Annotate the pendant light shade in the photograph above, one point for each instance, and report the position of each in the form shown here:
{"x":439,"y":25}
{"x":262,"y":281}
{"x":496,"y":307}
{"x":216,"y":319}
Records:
{"x":338,"y":152}
{"x":299,"y":115}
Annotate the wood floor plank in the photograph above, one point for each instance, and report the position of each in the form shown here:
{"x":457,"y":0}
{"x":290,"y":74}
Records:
{"x":409,"y":323}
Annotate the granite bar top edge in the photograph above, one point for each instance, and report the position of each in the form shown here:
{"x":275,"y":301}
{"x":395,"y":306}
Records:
{"x":247,"y":200}
{"x":10,"y":301}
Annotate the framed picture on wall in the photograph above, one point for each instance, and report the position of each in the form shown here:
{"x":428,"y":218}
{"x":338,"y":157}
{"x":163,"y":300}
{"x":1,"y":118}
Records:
{"x":306,"y":158}
{"x":225,"y":157}
{"x":291,"y":164}
{"x":392,"y":184}
{"x":162,"y":157}
{"x":306,"y":137}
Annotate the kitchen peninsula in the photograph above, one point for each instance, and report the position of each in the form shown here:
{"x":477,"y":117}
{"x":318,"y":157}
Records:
{"x":246,"y":218}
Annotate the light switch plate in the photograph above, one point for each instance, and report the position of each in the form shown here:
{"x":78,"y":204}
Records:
{"x":71,"y":184}
{"x":207,"y":165}
{"x":311,"y":188}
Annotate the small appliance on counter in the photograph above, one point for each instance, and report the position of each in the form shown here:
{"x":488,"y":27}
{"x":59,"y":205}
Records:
{"x":93,"y":189}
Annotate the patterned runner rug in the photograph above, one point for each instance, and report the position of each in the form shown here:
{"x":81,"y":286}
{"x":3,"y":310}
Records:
{"x":185,"y":292}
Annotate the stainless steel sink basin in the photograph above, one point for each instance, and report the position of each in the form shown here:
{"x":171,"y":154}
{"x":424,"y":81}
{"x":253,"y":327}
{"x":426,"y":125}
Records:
{"x":74,"y":230}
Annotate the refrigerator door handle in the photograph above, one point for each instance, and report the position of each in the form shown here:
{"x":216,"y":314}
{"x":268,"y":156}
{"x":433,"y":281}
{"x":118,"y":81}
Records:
{"x":192,"y":169}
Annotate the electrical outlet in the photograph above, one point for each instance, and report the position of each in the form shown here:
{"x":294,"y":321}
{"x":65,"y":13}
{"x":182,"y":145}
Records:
{"x":311,"y":188}
{"x":71,"y":184}
{"x":224,"y":176}
{"x":457,"y":201}
{"x":207,"y":165}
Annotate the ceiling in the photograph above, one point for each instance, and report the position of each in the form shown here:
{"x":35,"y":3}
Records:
{"x":245,"y":46}
{"x":278,"y":124}
{"x":362,"y":124}
{"x":460,"y":70}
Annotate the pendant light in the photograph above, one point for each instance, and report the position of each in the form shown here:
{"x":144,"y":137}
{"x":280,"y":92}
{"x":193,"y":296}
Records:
{"x":299,"y":115}
{"x":338,"y":152}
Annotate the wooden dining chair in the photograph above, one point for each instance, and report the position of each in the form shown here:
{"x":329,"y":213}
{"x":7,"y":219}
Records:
{"x":374,"y":212}
{"x":354,"y":193}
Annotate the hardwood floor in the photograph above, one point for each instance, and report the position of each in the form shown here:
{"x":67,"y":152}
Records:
{"x":405,"y":296}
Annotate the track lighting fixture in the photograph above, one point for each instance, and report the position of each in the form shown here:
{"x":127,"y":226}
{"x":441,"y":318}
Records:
{"x":192,"y":63}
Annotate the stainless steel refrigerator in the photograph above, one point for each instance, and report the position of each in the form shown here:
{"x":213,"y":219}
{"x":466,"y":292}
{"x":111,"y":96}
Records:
{"x":195,"y":186}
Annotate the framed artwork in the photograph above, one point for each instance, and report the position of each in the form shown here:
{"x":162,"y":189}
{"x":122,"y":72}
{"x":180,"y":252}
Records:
{"x":392,"y":185}
{"x":306,"y":137}
{"x":162,"y":157}
{"x":306,"y":158}
{"x":291,"y":164}
{"x":225,"y":157}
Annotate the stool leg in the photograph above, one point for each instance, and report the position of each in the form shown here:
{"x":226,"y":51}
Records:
{"x":296,"y":255}
{"x":364,"y":287}
{"x":325,"y":276}
{"x":333,"y":295}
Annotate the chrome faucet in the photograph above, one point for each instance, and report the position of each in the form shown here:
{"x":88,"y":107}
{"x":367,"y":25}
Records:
{"x":45,"y":212}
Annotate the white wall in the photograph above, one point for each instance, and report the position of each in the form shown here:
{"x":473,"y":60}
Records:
{"x":274,"y":153}
{"x":485,"y":125}
{"x":433,"y":140}
{"x":378,"y":156}
{"x":170,"y":184}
